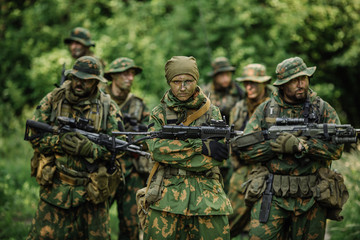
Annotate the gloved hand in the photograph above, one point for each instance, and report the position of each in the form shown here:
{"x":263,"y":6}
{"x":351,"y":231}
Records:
{"x":214,"y":149}
{"x":76,"y":144}
{"x":287,"y":143}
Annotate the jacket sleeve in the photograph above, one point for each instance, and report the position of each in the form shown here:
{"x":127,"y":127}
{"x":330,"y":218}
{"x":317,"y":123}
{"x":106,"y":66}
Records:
{"x":318,"y":149}
{"x":258,"y":152}
{"x":46,"y":143}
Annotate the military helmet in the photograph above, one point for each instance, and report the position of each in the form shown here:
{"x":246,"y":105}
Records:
{"x":86,"y":67}
{"x":121,"y":65}
{"x":81,"y":35}
{"x":254,"y":73}
{"x":291,"y":68}
{"x":221,"y":64}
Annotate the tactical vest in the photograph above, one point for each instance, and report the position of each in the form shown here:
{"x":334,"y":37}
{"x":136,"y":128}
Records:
{"x":97,"y":114}
{"x":313,"y":112}
{"x":135,"y":106}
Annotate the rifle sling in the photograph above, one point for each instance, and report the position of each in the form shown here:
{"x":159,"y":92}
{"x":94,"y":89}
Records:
{"x":201,"y":111}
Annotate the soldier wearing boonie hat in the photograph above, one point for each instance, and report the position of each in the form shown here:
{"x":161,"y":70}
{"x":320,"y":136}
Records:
{"x":75,"y":174}
{"x":257,"y":90}
{"x":79,"y":43}
{"x":121,"y":74}
{"x":299,"y":164}
{"x":223,"y":93}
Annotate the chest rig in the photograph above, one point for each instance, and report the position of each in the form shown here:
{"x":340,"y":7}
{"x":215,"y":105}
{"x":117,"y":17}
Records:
{"x":96,"y":110}
{"x":312,"y":111}
{"x":133,"y":106}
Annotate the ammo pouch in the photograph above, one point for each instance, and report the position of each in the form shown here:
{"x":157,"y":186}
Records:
{"x":43,"y":168}
{"x":294,"y":186}
{"x":102,"y":185}
{"x":255,"y":186}
{"x":154,"y":193}
{"x":331,"y":192}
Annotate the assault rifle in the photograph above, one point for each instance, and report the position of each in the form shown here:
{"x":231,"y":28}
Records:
{"x":82,"y":126}
{"x":336,"y":133}
{"x":133,"y":122}
{"x":216,"y":129}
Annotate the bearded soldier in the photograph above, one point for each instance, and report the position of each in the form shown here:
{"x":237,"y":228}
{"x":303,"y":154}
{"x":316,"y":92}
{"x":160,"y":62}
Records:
{"x":257,"y":91}
{"x":75,"y":174}
{"x":121,"y":74}
{"x":289,"y":188}
{"x":191,"y":203}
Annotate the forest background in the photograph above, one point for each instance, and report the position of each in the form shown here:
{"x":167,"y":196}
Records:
{"x":324,"y":33}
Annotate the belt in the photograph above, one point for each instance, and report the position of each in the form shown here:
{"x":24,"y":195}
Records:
{"x":74,"y":181}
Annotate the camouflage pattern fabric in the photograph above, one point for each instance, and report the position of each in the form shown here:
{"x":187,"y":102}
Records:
{"x":126,"y":197}
{"x":304,"y":225}
{"x":225,"y":100}
{"x":88,"y":222}
{"x":317,"y":153}
{"x":173,"y":226}
{"x":240,"y":218}
{"x":194,"y":195}
{"x":59,"y":194}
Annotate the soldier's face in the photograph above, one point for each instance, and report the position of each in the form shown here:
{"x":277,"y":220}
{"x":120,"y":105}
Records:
{"x":183,"y":86}
{"x":77,"y":49}
{"x":83,"y":87}
{"x":254,"y":90}
{"x":124,"y":80}
{"x":295,"y":91}
{"x":223,"y":79}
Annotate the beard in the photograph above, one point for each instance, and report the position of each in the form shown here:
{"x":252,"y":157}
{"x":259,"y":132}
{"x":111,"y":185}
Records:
{"x":299,"y":97}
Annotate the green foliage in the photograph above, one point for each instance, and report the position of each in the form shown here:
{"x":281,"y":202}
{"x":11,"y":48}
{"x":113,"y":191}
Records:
{"x":349,"y":166}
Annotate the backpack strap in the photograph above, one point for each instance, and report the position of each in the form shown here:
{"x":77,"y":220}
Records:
{"x":106,"y":100}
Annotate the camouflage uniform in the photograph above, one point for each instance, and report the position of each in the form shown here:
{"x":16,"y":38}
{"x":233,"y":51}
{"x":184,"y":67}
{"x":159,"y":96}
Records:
{"x":66,"y":210}
{"x":239,"y":116}
{"x":295,"y":217}
{"x":193,"y":203}
{"x":82,"y":35}
{"x":225,"y":99}
{"x":136,"y":169}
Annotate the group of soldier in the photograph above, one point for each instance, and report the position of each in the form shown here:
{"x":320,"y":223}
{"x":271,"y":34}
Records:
{"x":196,"y":188}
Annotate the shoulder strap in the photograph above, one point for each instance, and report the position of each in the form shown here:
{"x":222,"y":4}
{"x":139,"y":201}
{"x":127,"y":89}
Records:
{"x":126,"y":100}
{"x":106,"y":100}
{"x":201,"y":111}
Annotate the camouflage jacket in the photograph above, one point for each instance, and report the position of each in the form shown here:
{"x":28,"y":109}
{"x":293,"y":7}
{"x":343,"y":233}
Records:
{"x":225,"y":99}
{"x":194,"y":194}
{"x":132,"y":107}
{"x":239,"y":115}
{"x":318,"y":153}
{"x":61,"y":194}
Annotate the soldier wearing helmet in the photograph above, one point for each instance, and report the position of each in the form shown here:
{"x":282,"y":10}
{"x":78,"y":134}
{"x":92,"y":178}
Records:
{"x":257,"y":90}
{"x":121,"y":74}
{"x":79,"y":43}
{"x":296,"y":203}
{"x":75,"y":175}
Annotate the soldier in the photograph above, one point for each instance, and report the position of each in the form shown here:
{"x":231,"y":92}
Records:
{"x":257,"y":91}
{"x":193,"y":204}
{"x":122,"y":73}
{"x":295,"y":163}
{"x":79,"y":43}
{"x":74,"y":173}
{"x":223,"y":93}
